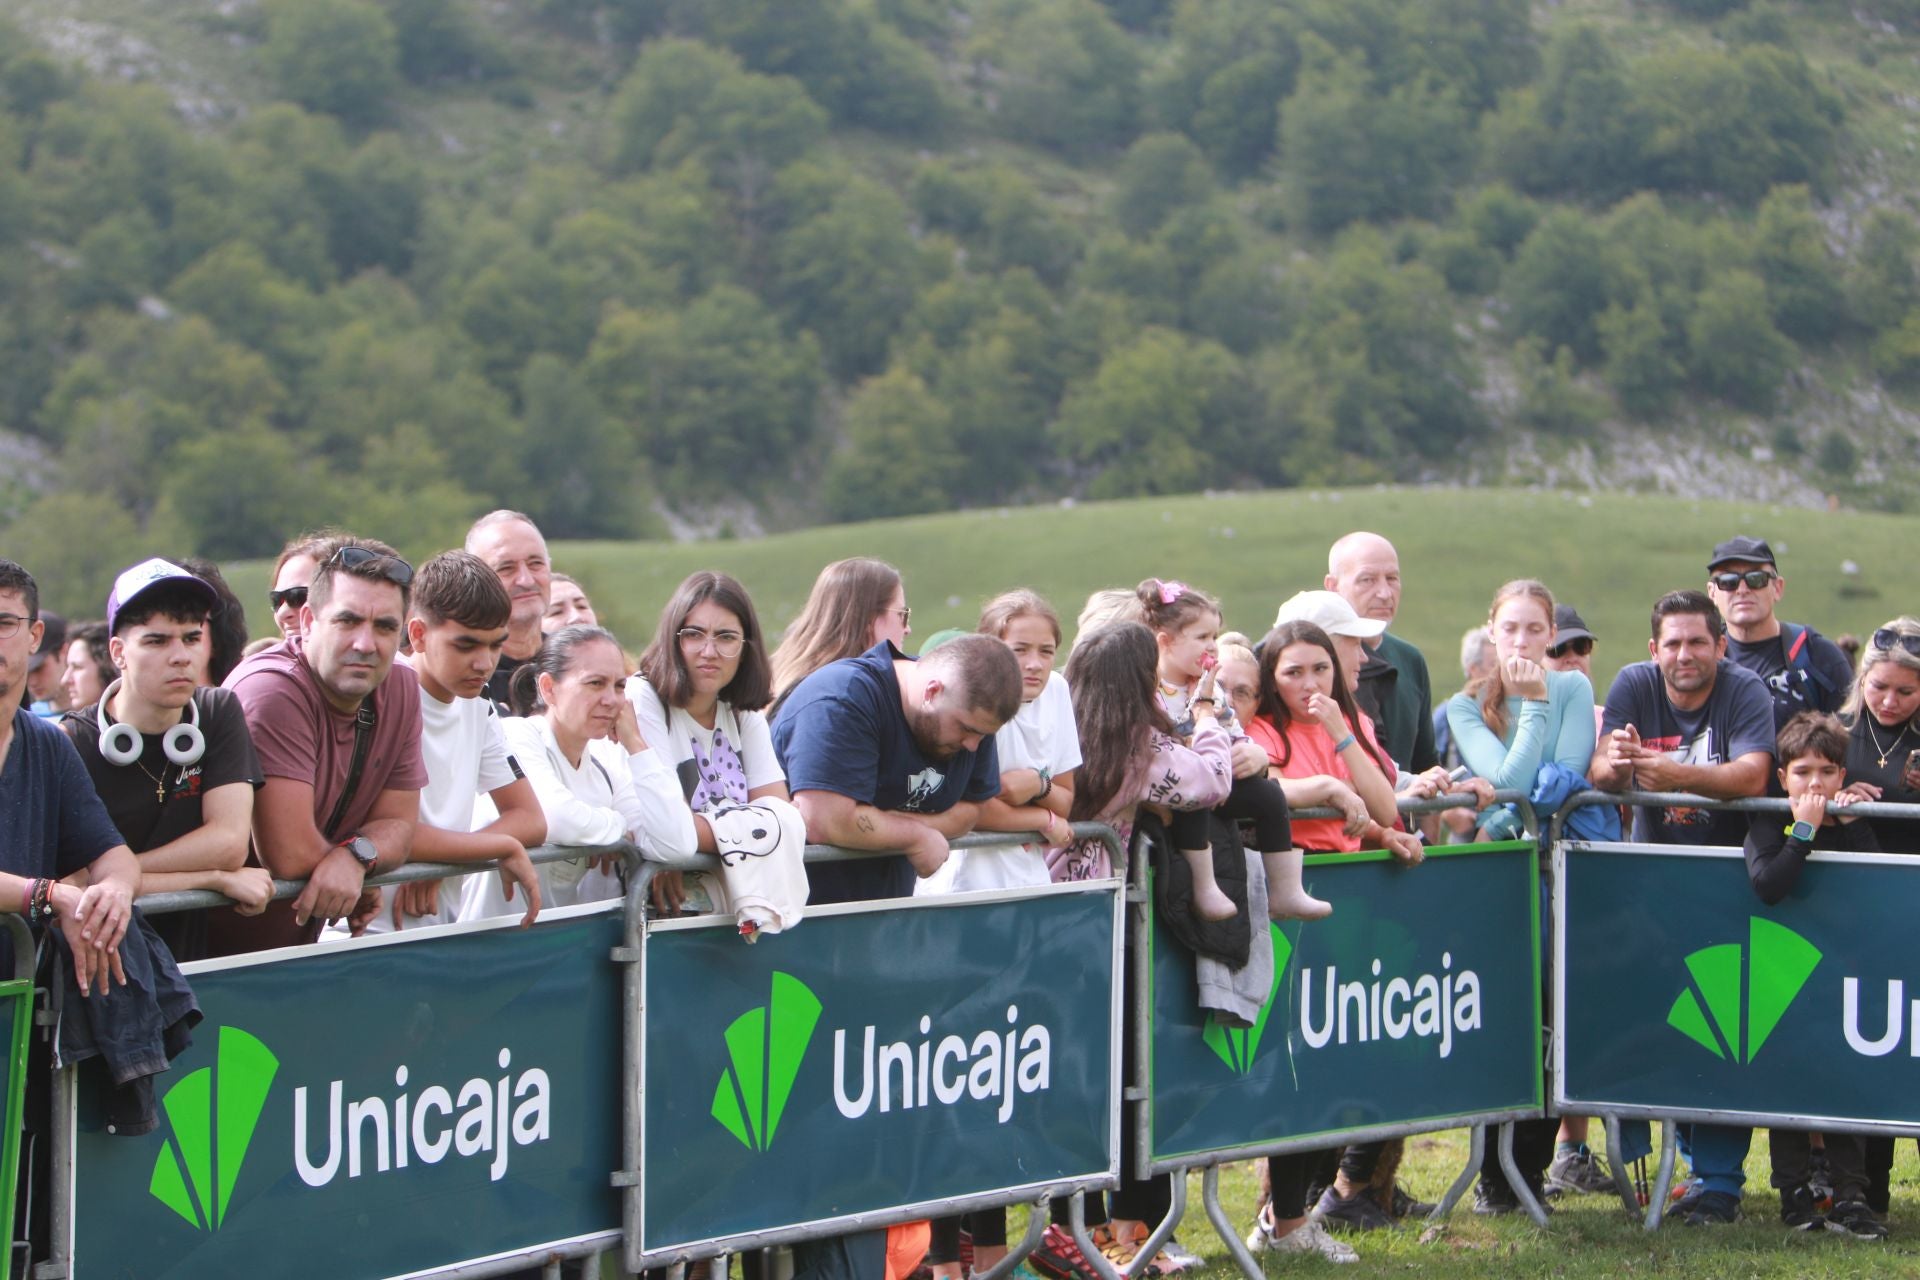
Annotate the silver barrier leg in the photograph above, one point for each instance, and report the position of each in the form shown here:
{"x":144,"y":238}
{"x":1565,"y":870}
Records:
{"x":59,"y":1263}
{"x":1158,"y":1237}
{"x":1521,"y":1191}
{"x":1663,"y":1179}
{"x":1476,"y":1152}
{"x":1036,"y":1227}
{"x":551,"y":1271}
{"x":1622,"y":1183}
{"x":1223,"y":1225}
{"x":1077,"y":1222}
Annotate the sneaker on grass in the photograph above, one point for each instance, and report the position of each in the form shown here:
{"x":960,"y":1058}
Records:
{"x":1357,"y":1212}
{"x":1578,"y":1172}
{"x":1713,"y":1209}
{"x":1308,"y":1238}
{"x":1854,"y":1219}
{"x":1799,"y":1209}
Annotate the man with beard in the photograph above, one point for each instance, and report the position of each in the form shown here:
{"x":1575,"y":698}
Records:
{"x":888,"y":753}
{"x":1691,"y":720}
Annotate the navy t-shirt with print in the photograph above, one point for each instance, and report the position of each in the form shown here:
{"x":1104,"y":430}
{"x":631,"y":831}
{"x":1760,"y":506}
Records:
{"x":842,"y":729}
{"x":1735,"y":720}
{"x":51,"y":822}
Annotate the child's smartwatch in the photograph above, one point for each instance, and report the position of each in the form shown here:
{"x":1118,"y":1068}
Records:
{"x":1801,"y":831}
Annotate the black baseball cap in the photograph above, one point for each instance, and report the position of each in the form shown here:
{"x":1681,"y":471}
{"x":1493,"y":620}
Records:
{"x":1568,"y":625}
{"x":1747,"y":550}
{"x":53,"y":641}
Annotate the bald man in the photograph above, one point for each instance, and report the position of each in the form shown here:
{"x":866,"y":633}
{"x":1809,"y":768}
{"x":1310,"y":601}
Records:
{"x":512,"y":546}
{"x":1394,"y":686}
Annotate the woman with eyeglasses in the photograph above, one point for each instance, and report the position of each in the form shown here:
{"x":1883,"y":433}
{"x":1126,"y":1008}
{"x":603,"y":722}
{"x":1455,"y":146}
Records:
{"x":854,"y":605}
{"x":1883,"y":763}
{"x":700,"y":700}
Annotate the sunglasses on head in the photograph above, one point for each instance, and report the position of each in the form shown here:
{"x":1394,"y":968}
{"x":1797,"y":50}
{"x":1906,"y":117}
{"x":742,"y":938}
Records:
{"x":392,"y":568}
{"x":1754,"y":578}
{"x":288,"y":597}
{"x":1582,"y":646}
{"x":1886,"y":638}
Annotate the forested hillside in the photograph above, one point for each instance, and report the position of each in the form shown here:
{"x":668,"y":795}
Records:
{"x":731,"y":264}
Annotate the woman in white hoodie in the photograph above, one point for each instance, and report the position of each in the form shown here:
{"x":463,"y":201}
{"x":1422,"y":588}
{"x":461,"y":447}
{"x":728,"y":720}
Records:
{"x":575,"y":737}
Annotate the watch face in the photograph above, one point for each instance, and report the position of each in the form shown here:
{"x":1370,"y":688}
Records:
{"x":363,"y":851}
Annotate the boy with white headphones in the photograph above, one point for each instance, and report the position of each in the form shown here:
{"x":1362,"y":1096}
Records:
{"x":174,"y":764}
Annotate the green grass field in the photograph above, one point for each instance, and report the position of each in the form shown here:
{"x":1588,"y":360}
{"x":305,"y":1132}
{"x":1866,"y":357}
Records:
{"x":1609,"y":554}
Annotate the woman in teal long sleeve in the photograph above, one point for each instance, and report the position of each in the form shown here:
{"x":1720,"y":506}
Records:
{"x":1520,"y":716}
{"x":1508,"y":723}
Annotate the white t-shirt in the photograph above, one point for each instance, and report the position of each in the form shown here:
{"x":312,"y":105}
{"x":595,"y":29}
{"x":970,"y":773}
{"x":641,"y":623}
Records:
{"x":608,"y":796}
{"x":466,"y":755}
{"x":1041,"y":735}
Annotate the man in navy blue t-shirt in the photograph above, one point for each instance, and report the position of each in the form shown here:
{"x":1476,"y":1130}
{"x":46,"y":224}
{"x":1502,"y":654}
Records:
{"x":53,"y":826}
{"x":884,"y":752}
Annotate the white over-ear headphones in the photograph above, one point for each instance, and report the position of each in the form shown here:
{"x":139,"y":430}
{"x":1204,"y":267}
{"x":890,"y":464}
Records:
{"x":122,"y":744}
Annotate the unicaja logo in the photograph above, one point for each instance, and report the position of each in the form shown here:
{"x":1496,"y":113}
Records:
{"x":765,"y":1047}
{"x":1770,"y":969}
{"x":211,"y":1116}
{"x":1237,"y":1046}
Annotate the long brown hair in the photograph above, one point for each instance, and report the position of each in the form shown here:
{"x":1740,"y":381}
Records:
{"x":1273,"y":707}
{"x":1491,"y":688}
{"x":837,"y":621}
{"x":664,"y":664}
{"x":1116,"y":705}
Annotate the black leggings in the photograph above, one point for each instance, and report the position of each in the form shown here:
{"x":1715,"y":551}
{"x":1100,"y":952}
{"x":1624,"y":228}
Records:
{"x":1258,"y":800}
{"x":988,"y":1227}
{"x":1288,"y":1177}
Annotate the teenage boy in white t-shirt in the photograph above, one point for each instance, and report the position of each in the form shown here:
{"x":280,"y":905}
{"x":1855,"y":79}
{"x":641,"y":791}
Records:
{"x":456,"y":626}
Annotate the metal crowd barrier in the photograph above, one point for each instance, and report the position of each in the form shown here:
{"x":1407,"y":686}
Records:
{"x":1671,"y":1117}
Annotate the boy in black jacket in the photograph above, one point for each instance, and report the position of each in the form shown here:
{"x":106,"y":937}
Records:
{"x":1812,"y":754}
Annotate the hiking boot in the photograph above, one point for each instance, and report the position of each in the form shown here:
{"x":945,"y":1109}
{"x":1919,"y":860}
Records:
{"x":1493,"y":1198}
{"x":1357,"y":1212}
{"x":1308,"y":1238}
{"x":1852,"y":1218}
{"x":1579,"y":1172}
{"x":1713,"y":1209}
{"x":1820,"y":1178}
{"x":1799,"y":1210}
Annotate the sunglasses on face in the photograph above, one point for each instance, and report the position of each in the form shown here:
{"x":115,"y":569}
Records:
{"x":1754,"y":578}
{"x":288,"y":598}
{"x":1887,"y":639}
{"x":1582,"y":647}
{"x":392,"y":568}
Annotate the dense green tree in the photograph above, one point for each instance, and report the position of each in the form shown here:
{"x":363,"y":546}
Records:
{"x":1160,"y":173}
{"x":1884,"y":282}
{"x":244,"y":492}
{"x":1141,"y":423}
{"x":249,"y":302}
{"x":1735,"y":124}
{"x":1896,"y":352}
{"x":1737,"y":353}
{"x":1062,"y":74}
{"x":440,"y":40}
{"x":1146,"y":275}
{"x":520,"y":304}
{"x":897,"y":458}
{"x":1640,"y":364}
{"x":714,"y":393}
{"x":1498,"y":217}
{"x":73,"y":543}
{"x":849,"y":274}
{"x":1551,"y":398}
{"x":1230,"y":65}
{"x":1564,"y":276}
{"x":337,"y":56}
{"x":1803,"y":279}
{"x":581,"y":478}
{"x":1579,"y":128}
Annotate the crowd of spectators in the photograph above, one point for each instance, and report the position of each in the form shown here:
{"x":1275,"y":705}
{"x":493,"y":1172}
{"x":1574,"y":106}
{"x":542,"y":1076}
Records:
{"x":473,"y":709}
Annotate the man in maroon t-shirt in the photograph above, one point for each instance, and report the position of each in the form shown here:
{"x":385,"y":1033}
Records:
{"x":308,"y":703}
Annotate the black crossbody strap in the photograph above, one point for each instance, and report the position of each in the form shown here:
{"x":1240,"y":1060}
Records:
{"x":363,"y":725}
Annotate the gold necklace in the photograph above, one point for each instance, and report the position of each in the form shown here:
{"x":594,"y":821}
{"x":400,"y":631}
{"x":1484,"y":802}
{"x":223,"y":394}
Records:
{"x":1891,"y":747}
{"x":160,"y":783}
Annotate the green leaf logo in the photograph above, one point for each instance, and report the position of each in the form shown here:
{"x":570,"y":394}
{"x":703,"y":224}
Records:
{"x":1777,"y":963}
{"x":211,"y":1116}
{"x":1236,"y":1046}
{"x":764,"y":1050}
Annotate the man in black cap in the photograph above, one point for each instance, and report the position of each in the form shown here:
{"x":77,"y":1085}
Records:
{"x":1803,"y":669}
{"x":45,"y":697}
{"x":1572,"y":648}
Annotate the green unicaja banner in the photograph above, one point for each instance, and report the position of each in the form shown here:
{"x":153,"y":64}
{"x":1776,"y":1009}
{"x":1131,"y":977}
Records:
{"x":875,"y":1060}
{"x":371,"y":1109}
{"x":1417,"y":1003}
{"x":1683,"y":993}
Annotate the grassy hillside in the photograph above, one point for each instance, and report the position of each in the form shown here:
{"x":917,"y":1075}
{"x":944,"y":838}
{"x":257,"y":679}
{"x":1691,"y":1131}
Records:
{"x":1608,"y":554}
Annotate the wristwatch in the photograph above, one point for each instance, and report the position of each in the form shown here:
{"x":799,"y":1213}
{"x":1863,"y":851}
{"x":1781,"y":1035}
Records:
{"x":363,"y":852}
{"x":1801,"y":831}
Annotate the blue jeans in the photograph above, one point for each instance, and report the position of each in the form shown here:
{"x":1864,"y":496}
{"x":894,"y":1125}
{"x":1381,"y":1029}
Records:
{"x":1717,"y":1155}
